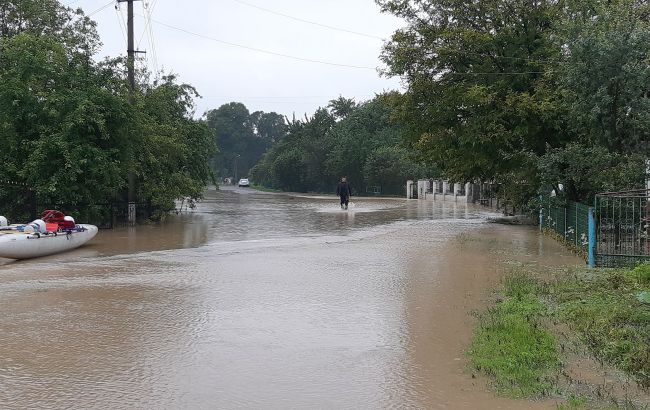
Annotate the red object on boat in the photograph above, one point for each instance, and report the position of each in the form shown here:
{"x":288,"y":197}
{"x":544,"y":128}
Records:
{"x":52,"y":216}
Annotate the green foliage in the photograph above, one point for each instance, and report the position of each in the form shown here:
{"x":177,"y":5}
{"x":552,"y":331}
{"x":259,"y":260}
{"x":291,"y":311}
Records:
{"x":49,"y":18}
{"x":512,"y":346}
{"x":173,"y":149}
{"x":342,"y":107}
{"x":388,"y":167}
{"x":604,"y":75}
{"x":586,"y":170}
{"x":360,"y":141}
{"x":642,"y":273}
{"x":472,"y":70}
{"x":613,"y":321}
{"x":242,"y":137}
{"x":68,"y":133}
{"x":574,"y":403}
{"x":602,"y":307}
{"x":529,"y":95}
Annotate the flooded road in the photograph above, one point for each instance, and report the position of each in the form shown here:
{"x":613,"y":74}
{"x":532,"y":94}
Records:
{"x":258,"y":300}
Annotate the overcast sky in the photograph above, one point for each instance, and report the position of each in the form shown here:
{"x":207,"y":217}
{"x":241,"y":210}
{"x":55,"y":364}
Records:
{"x":223,"y":73}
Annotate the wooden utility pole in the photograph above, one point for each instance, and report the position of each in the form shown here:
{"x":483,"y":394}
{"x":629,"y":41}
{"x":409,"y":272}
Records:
{"x":646,"y":217}
{"x":130,"y":65}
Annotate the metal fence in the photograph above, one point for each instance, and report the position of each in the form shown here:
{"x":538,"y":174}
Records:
{"x":622,"y":228}
{"x":569,"y":220}
{"x":104,"y":216}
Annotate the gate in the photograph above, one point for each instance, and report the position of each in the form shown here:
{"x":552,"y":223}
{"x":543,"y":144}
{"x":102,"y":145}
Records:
{"x":622,"y":228}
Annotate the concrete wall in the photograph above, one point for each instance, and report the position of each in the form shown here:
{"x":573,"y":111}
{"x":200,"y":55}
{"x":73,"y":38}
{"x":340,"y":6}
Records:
{"x":437,"y":189}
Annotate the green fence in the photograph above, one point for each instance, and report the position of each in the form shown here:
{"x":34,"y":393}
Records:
{"x":569,"y":220}
{"x":623,"y":228}
{"x":620,"y":226}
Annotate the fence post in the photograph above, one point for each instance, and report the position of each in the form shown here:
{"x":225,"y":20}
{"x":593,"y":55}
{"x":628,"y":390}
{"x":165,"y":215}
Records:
{"x":575,"y":226}
{"x":592,"y":238}
{"x":541,"y":213}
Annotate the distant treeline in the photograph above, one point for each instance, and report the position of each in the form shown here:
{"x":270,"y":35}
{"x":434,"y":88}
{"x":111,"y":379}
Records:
{"x":68,"y":133}
{"x":360,"y":141}
{"x":243,"y":137}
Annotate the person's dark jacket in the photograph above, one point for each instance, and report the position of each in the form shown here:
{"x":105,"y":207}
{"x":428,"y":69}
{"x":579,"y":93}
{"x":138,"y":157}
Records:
{"x":343,"y":189}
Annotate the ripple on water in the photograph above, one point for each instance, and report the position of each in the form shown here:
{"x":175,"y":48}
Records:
{"x":272,"y":302}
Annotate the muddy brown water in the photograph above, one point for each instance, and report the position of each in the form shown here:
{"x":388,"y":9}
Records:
{"x":255,"y":300}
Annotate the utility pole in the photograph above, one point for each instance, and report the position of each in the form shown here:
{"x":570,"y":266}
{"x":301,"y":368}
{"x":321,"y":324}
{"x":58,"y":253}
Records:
{"x":647,"y":201}
{"x":130,"y":65}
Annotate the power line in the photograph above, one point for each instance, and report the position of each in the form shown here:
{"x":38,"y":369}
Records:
{"x":118,"y":14}
{"x":145,"y":31}
{"x":308,"y":21}
{"x":152,"y":41}
{"x":259,"y":50}
{"x":318,"y":61}
{"x":101,"y":8}
{"x":148,"y":30}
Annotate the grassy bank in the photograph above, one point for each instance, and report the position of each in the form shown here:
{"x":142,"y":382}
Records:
{"x":511,"y":344}
{"x":608,"y":311}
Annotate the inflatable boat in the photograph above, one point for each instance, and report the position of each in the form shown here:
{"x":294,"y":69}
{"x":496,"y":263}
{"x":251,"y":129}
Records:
{"x":54,"y":233}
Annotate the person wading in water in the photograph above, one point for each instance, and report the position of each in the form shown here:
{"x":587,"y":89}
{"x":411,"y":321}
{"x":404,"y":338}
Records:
{"x":343,"y":190}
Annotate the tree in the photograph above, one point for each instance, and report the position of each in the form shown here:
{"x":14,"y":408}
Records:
{"x":473,"y":69}
{"x":363,"y":145}
{"x":75,"y":31}
{"x":242,"y":137}
{"x":342,"y":107}
{"x":367,"y":128}
{"x":66,"y":121}
{"x":604,"y":75}
{"x":389,"y":168}
{"x":61,"y":123}
{"x":269,"y":126}
{"x":174,"y":148}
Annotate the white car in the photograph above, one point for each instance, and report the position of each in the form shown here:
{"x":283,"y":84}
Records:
{"x":244,"y":182}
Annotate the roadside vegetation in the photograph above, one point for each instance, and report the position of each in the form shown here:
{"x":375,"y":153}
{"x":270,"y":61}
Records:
{"x":70,"y":136}
{"x":527,"y":95}
{"x":512,"y":345}
{"x":518,"y":346}
{"x":531,"y":97}
{"x":359,"y":140}
{"x":242,"y":137}
{"x":610,"y":310}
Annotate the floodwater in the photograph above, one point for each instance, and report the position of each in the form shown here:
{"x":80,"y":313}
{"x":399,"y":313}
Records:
{"x":258,"y":300}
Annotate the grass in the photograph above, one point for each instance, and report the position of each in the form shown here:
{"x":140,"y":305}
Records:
{"x":605,"y":308}
{"x":574,"y":403}
{"x":512,"y":346}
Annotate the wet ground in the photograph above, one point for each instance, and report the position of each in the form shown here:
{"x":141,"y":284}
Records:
{"x":260,"y":300}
